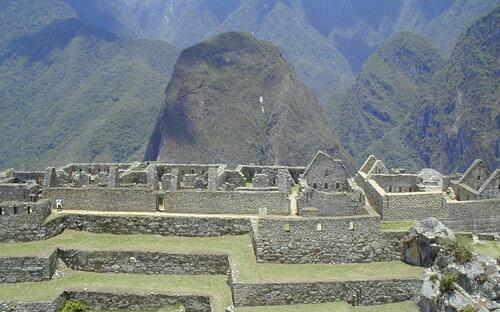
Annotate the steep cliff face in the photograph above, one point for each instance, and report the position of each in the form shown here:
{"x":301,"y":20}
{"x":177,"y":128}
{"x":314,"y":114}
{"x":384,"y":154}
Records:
{"x":234,"y":99}
{"x":369,"y":115}
{"x":459,"y":119}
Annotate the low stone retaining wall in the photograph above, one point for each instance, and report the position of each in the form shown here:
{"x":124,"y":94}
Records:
{"x":112,"y":301}
{"x":34,"y":306}
{"x":144,"y":262}
{"x":27,"y":269}
{"x":35,"y":269}
{"x":156,"y":225}
{"x":356,"y":292}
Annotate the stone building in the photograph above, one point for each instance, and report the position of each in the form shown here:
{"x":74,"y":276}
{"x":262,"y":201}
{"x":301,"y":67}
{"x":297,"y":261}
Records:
{"x":466,"y":202}
{"x":478,"y":182}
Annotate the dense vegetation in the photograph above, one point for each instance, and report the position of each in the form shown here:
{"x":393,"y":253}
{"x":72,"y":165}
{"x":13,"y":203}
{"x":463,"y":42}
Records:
{"x":234,"y":99}
{"x":414,"y":109}
{"x":369,"y":115}
{"x":73,"y":92}
{"x":459,"y":118}
{"x":85,"y":80}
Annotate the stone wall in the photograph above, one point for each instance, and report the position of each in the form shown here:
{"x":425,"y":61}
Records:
{"x":186,"y":201}
{"x":103,"y":199}
{"x":397,"y":182}
{"x":144,"y":262}
{"x":326,"y":173}
{"x":24,"y":176}
{"x":414,"y":206}
{"x":27,"y":269}
{"x":374,"y":193}
{"x":357,"y":292}
{"x":17,"y":191}
{"x":34,"y":306}
{"x":227,"y":202}
{"x":157,"y":225}
{"x":112,"y":301}
{"x":324,"y":240}
{"x":475,"y":216}
{"x":333,"y":203}
{"x":23,"y":224}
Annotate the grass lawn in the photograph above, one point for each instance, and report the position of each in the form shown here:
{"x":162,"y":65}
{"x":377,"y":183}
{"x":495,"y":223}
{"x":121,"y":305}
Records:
{"x":399,"y":226}
{"x":208,"y":285}
{"x":407,"y":306}
{"x":490,"y":248}
{"x":238,"y":247}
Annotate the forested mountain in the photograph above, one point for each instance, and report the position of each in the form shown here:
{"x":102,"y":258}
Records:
{"x":458,"y":120}
{"x":73,"y":92}
{"x":84,"y":80}
{"x":326,"y":41}
{"x":234,"y":99}
{"x":387,"y":90}
{"x":415,"y":109}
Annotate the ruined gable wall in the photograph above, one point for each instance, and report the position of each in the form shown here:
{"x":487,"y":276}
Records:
{"x":374,"y":193}
{"x":477,"y":174}
{"x":326,"y":173}
{"x":463,"y":192}
{"x":491,"y":188}
{"x":368,"y":164}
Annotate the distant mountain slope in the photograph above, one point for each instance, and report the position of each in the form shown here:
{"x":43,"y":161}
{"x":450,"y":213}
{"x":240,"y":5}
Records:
{"x":326,"y":41}
{"x":385,"y":93}
{"x":234,"y":99}
{"x":184,"y":23}
{"x":459,"y":120}
{"x":73,"y":92}
{"x":414,"y":109}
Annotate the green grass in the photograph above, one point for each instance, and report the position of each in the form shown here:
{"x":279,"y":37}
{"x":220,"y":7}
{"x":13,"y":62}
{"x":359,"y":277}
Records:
{"x":399,"y":226}
{"x":490,"y":248}
{"x":407,"y":306}
{"x":238,"y":247}
{"x":213,"y":286}
{"x":170,"y":309}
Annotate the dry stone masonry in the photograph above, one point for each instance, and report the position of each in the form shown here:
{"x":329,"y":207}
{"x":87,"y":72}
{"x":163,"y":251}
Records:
{"x":313,"y":214}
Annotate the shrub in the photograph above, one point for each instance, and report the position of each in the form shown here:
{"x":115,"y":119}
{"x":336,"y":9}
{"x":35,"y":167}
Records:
{"x":433,"y":278}
{"x":447,"y":283}
{"x":74,"y":306}
{"x":456,"y":248}
{"x":469,"y":308}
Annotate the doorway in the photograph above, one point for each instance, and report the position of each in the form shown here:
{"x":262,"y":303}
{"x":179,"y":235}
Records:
{"x":160,"y":203}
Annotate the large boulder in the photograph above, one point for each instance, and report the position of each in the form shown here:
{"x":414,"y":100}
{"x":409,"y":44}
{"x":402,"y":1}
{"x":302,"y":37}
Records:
{"x":422,"y":242}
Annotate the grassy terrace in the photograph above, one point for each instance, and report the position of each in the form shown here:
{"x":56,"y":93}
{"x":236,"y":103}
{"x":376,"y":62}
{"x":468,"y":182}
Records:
{"x":335,"y":307}
{"x":238,"y":247}
{"x":214,"y":286}
{"x":490,"y":248}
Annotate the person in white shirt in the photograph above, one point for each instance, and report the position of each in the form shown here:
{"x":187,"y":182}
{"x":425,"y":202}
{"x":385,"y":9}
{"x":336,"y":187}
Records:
{"x":59,"y":204}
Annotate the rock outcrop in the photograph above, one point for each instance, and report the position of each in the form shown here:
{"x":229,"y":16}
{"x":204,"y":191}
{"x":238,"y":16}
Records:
{"x":421,"y":243}
{"x":457,"y":280}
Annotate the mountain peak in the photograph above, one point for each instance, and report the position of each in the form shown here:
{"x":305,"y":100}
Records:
{"x":234,"y":99}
